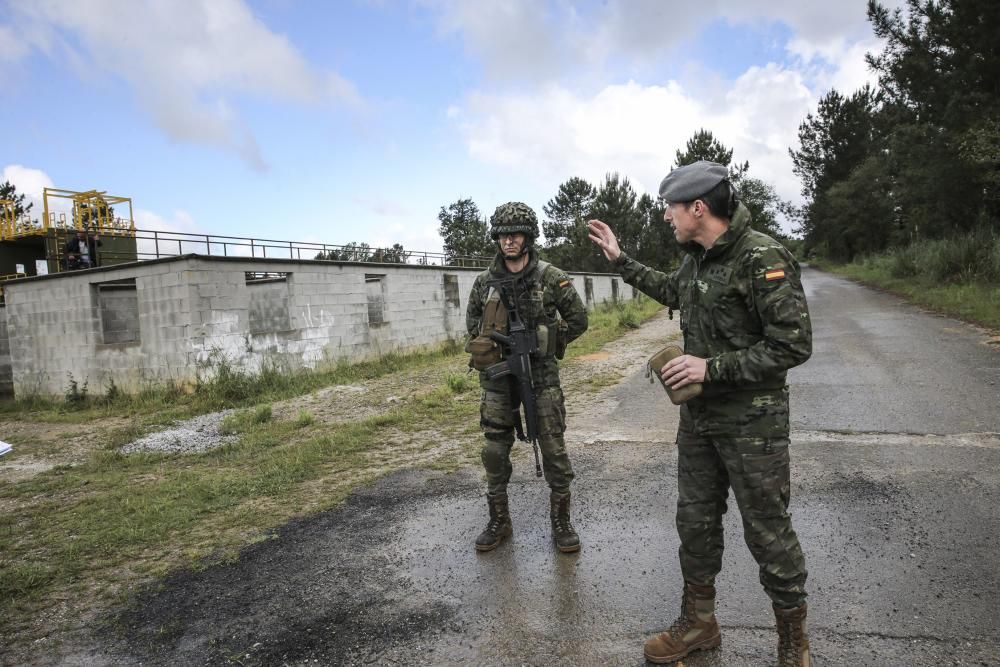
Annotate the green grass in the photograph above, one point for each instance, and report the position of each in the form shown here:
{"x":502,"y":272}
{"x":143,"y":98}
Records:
{"x":89,"y":532}
{"x":228,"y":387}
{"x":609,"y":321}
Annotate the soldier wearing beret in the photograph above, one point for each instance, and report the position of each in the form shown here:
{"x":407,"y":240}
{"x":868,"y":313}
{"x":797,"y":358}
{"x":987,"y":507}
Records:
{"x":745,"y":322}
{"x":550,"y":306}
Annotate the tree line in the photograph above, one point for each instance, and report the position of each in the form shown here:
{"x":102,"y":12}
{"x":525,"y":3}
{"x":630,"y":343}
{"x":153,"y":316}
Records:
{"x":918,"y":157}
{"x":915,"y":158}
{"x":637,"y":219}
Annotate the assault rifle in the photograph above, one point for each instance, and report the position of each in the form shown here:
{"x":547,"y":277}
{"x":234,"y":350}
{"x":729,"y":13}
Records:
{"x":519,"y":344}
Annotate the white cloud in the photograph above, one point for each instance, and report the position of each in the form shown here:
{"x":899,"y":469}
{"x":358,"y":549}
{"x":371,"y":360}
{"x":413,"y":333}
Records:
{"x":514,"y":39}
{"x":12,"y":49}
{"x":524,"y":40}
{"x":186,"y":61}
{"x":159,"y":236}
{"x":413,"y":237}
{"x":554,"y":128}
{"x":29,"y":182}
{"x":635,"y":129}
{"x":394,"y":221}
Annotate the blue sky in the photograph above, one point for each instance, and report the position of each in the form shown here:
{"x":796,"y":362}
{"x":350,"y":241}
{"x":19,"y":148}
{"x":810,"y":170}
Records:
{"x":357,"y":120}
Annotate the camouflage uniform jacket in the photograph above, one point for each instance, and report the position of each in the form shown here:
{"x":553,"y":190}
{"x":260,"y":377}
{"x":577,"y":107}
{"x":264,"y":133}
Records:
{"x":743,"y":309}
{"x":549,"y":294}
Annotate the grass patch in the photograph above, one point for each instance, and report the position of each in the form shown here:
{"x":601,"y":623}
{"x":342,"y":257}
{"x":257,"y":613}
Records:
{"x":459,"y":383}
{"x":228,"y":387}
{"x":609,"y":321}
{"x":599,"y":381}
{"x":244,"y":420}
{"x":89,"y":531}
{"x":303,"y":419}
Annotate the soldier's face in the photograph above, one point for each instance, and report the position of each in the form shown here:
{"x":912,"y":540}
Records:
{"x":511,"y":245}
{"x":681,"y":218}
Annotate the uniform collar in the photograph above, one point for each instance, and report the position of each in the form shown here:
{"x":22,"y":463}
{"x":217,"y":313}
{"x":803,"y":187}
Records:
{"x":499,"y":268}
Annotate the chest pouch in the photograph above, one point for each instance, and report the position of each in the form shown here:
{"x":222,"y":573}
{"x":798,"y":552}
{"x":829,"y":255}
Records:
{"x":657,"y":362}
{"x":483,"y":350}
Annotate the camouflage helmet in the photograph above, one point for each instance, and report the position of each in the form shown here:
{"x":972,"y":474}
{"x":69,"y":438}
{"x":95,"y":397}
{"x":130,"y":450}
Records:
{"x":514,"y":217}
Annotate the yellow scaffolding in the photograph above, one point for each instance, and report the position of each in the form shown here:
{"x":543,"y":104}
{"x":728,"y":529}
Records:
{"x":92,"y":210}
{"x":12,"y":224}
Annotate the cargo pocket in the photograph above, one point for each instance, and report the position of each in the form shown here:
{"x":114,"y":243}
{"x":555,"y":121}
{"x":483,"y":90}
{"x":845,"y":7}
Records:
{"x":551,"y":411}
{"x":766,"y":477}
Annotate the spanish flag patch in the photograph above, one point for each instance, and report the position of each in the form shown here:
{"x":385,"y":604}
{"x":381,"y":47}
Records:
{"x":563,"y":283}
{"x":774,"y":274}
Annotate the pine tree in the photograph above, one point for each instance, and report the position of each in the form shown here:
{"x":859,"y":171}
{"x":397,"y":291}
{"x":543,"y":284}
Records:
{"x":464,"y":231}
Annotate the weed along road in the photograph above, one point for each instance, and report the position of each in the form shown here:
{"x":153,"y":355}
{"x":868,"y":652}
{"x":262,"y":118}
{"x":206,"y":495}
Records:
{"x":896,"y":488}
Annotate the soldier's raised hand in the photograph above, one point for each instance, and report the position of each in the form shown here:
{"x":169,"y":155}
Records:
{"x":604,"y":238}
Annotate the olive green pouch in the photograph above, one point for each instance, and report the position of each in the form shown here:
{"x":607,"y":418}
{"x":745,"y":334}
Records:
{"x":658,"y":361}
{"x":483,"y":352}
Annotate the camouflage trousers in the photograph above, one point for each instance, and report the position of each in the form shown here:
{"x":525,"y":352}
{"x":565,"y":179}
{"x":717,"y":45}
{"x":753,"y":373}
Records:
{"x":757,"y":469}
{"x":497,"y":423}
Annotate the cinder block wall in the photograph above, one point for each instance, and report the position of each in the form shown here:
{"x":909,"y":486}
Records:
{"x":195,"y":312}
{"x":119,"y":308}
{"x":6,"y":377}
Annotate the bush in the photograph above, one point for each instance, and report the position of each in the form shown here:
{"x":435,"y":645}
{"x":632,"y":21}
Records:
{"x":304,"y":419}
{"x":459,"y":383}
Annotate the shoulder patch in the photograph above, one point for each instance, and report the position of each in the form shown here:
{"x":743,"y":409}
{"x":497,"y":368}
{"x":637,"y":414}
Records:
{"x":774,"y":274}
{"x":564,"y":283}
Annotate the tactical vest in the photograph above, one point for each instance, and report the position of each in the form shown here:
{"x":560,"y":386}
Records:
{"x":485,"y":351}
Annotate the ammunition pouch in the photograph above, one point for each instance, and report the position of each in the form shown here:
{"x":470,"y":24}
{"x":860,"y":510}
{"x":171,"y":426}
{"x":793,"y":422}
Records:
{"x":658,"y":361}
{"x":551,"y":340}
{"x":483,"y":352}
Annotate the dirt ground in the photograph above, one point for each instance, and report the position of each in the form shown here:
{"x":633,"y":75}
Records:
{"x":586,"y":380}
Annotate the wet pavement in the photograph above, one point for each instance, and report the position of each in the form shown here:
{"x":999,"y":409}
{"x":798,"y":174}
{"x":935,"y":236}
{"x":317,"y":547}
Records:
{"x":896,"y":453}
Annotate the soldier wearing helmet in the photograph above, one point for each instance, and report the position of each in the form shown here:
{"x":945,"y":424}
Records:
{"x":551,"y":305}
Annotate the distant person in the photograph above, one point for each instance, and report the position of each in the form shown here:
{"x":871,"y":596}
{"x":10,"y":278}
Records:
{"x":745,"y":322}
{"x":551,"y":308}
{"x":81,"y":250}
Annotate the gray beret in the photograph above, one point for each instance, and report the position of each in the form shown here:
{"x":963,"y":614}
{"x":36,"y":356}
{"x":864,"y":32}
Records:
{"x":691,"y":181}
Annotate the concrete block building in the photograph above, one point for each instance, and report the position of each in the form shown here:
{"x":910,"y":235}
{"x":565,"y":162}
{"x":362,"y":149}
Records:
{"x":176,"y":319}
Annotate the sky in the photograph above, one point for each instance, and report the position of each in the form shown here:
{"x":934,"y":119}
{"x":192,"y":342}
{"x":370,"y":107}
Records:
{"x":357,"y":120}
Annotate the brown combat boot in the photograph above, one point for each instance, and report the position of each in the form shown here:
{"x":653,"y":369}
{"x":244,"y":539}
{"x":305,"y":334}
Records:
{"x":694,"y":630}
{"x":499,"y":526}
{"x":793,"y":644}
{"x":563,"y":534}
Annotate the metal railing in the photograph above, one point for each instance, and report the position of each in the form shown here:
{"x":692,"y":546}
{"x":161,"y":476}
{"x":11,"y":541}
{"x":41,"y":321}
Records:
{"x":153,"y":244}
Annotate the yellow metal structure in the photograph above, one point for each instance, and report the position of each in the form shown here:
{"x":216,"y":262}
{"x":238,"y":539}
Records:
{"x":12,"y":225}
{"x":91,"y":210}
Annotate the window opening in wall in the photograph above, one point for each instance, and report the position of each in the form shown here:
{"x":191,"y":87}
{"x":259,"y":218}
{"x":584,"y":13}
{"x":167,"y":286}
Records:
{"x":614,"y":290}
{"x":375,"y":289}
{"x":269,"y":297}
{"x":588,"y":288}
{"x":451,"y":295}
{"x":268,"y":276}
{"x":118,"y":305}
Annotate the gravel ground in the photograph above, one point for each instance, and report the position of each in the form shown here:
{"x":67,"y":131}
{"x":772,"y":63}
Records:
{"x":192,"y":436}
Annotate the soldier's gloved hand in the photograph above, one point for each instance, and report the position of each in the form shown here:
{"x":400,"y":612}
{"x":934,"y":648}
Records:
{"x":684,"y":370}
{"x":604,"y":238}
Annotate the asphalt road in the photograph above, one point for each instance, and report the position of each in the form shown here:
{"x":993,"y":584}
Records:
{"x":896,"y":453}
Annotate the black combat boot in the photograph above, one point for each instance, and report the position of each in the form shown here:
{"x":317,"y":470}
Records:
{"x":565,"y":537}
{"x":793,"y":644}
{"x":499,"y":526}
{"x":694,"y":630}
